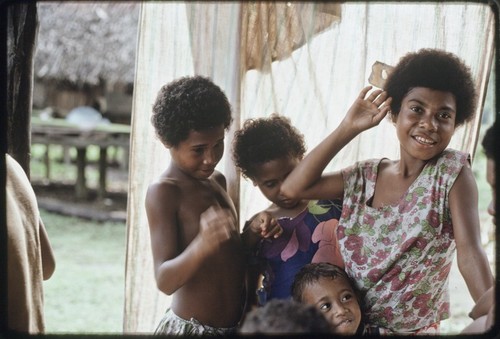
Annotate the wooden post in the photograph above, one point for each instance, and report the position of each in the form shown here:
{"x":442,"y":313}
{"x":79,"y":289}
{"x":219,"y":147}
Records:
{"x":81,"y":162}
{"x":103,"y":162}
{"x":46,"y":159}
{"x":22,"y":25}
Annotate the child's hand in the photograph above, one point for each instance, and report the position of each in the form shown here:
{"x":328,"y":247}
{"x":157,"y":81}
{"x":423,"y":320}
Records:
{"x":483,"y":304}
{"x":216,"y":226}
{"x":265,"y":225}
{"x":368,"y":112}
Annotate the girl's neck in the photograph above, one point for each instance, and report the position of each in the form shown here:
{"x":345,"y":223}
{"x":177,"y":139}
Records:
{"x":280,"y":212}
{"x":408,"y":167}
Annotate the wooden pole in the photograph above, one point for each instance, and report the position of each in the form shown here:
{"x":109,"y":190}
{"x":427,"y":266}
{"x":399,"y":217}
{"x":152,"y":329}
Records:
{"x":22,"y":25}
{"x":81,"y":182}
{"x":103,"y":163}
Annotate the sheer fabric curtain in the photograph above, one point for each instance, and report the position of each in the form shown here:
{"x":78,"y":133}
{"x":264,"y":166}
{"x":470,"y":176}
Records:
{"x":175,"y":39}
{"x":318,"y":83}
{"x":304,"y":60}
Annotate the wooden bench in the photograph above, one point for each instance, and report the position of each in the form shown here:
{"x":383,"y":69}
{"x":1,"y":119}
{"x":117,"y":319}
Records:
{"x":59,"y":131}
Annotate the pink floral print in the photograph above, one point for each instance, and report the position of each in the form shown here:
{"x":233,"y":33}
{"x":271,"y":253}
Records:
{"x":400,"y":255}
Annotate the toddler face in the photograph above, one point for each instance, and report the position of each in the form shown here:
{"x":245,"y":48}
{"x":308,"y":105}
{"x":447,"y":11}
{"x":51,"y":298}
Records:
{"x":336,"y":299}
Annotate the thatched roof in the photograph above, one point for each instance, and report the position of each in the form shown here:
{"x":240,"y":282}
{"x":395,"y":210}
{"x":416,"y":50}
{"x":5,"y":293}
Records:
{"x":82,"y":42}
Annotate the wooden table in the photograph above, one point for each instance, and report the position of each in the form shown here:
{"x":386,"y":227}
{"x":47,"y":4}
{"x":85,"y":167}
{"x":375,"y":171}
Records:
{"x":59,"y":131}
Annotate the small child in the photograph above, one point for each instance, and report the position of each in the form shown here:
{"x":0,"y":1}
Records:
{"x":266,"y":150}
{"x":484,"y":310}
{"x":333,"y":293}
{"x":284,"y":316}
{"x":402,"y":219}
{"x":197,"y":250}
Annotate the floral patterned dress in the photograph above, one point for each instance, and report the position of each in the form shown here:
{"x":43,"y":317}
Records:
{"x":308,"y":237}
{"x":400,"y":255}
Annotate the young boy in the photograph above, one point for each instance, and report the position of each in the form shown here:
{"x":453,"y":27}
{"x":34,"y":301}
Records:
{"x":333,"y":293}
{"x":266,"y":150}
{"x":196,"y":245}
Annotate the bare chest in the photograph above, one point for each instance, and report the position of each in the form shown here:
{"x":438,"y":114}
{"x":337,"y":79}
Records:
{"x":196,"y":199}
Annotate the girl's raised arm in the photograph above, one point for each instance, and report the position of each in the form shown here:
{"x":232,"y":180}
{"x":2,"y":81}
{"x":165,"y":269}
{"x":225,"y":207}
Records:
{"x":306,"y":180}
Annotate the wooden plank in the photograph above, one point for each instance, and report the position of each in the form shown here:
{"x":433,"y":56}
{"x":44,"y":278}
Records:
{"x":63,"y":124}
{"x":60,"y":132}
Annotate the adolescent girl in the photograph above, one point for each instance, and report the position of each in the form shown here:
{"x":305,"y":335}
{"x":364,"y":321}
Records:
{"x":403,"y":219}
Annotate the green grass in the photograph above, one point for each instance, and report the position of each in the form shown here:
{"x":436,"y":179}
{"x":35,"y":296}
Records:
{"x":86,"y":292}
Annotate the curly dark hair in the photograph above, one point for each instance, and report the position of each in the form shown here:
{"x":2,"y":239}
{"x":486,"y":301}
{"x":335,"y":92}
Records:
{"x":186,"y":104}
{"x":284,"y":316}
{"x":490,"y":139}
{"x":435,"y":69}
{"x":264,"y":139}
{"x":311,"y":273}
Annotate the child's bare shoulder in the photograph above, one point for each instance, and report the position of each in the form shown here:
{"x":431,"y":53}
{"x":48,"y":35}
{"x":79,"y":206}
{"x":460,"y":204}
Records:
{"x":163,"y":187}
{"x":220,"y":179}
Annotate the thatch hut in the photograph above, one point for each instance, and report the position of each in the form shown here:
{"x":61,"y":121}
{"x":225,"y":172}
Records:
{"x":85,"y":54}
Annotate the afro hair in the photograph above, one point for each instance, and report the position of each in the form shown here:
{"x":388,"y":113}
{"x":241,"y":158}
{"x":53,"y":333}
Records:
{"x":437,"y":70}
{"x":285,"y":316}
{"x":264,"y":139}
{"x":187,"y":104}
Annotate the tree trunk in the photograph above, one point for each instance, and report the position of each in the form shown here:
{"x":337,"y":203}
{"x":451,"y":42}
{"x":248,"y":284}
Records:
{"x":22,"y":25}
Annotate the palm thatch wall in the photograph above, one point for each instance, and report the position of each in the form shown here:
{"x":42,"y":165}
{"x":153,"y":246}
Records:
{"x":85,"y":52}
